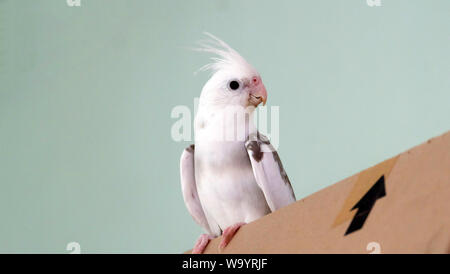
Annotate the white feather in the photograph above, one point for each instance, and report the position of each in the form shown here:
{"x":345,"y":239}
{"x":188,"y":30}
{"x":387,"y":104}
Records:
{"x":225,"y":59}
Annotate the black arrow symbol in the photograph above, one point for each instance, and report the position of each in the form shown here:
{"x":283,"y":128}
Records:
{"x":365,"y":205}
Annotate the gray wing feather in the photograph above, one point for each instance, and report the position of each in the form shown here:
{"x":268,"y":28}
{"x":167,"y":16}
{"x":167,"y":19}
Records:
{"x":269,"y":172}
{"x":189,"y":188}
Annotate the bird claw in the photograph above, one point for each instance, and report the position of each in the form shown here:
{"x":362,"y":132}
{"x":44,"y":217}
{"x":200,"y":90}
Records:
{"x":228,"y":235}
{"x":201,"y":243}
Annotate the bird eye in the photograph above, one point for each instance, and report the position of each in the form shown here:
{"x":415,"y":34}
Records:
{"x":233,"y":85}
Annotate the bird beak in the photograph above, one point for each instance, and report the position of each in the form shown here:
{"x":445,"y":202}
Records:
{"x":258,"y":94}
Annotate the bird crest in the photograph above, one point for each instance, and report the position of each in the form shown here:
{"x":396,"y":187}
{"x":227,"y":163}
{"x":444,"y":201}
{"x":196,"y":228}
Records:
{"x":224,"y":57}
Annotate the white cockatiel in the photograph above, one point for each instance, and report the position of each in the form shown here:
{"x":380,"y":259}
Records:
{"x":232,"y":175}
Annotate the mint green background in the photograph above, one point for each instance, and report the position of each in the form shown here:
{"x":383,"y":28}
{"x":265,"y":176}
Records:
{"x":86,"y":94}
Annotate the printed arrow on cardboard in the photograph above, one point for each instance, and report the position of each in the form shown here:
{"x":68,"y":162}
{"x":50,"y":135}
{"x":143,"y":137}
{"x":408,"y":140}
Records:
{"x":364,"y":206}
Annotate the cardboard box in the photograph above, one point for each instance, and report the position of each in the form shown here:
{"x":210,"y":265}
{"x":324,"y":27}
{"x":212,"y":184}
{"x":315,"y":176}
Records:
{"x":401,"y":205}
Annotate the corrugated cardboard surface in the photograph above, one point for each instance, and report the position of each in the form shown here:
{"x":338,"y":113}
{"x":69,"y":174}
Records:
{"x":413,"y":217}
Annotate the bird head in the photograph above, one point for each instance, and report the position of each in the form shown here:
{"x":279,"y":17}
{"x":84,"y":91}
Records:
{"x":234,"y":81}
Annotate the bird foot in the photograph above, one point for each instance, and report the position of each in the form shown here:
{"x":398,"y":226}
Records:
{"x":201,"y":243}
{"x":228,"y":234}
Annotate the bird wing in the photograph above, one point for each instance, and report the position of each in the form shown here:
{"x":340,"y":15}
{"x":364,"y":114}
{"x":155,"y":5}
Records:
{"x":189,"y":188}
{"x":269,"y":172}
